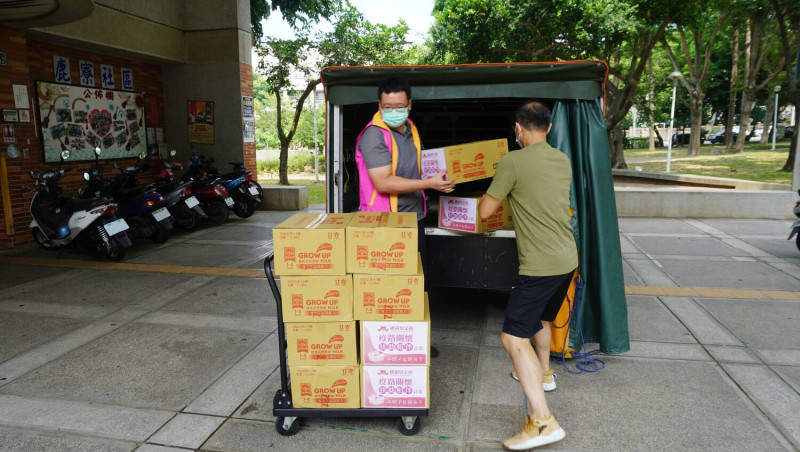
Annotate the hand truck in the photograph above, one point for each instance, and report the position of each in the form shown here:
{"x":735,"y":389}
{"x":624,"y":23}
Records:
{"x":287,"y":418}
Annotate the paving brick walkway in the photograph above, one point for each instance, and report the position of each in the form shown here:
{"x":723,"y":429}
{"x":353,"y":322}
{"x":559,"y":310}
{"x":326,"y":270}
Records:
{"x":176,"y":348}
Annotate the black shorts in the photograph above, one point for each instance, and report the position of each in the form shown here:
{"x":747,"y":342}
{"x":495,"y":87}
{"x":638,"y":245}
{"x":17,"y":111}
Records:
{"x":534,"y":299}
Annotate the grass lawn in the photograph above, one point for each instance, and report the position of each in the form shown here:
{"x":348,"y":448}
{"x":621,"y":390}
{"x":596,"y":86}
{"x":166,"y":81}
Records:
{"x":316,"y":190}
{"x":757,"y":163}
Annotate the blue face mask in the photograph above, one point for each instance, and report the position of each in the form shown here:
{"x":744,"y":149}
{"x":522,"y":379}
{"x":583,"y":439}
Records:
{"x":395,"y":117}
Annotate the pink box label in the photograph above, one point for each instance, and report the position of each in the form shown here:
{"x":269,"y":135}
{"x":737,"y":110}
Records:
{"x":393,"y":342}
{"x":395,"y":387}
{"x":459,"y":214}
{"x":433,"y":162}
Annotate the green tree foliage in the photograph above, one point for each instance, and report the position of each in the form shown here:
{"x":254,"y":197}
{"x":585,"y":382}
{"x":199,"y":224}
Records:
{"x":620,"y":32}
{"x":353,"y":41}
{"x":295,"y":12}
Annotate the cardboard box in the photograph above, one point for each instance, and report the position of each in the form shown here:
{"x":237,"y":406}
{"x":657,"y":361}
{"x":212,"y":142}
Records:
{"x":311,"y":244}
{"x":389,"y":297}
{"x":464,"y":162}
{"x":382,"y":242}
{"x":461,"y":214}
{"x":326,"y":386}
{"x":317,"y":298}
{"x":395,"y":387}
{"x":321,"y":343}
{"x":392,"y":342}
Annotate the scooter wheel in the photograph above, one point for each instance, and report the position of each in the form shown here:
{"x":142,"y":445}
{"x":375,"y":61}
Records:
{"x":189,"y":223}
{"x":217,"y":211}
{"x":160,"y":235}
{"x":42,"y":240}
{"x":244,"y":209}
{"x":115,"y":251}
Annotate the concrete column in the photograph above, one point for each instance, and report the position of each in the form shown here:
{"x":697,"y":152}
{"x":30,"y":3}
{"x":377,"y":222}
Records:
{"x":217,"y":68}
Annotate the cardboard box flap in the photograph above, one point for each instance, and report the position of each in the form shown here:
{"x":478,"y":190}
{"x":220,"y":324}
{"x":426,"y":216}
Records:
{"x":315,"y":221}
{"x":384,"y":220}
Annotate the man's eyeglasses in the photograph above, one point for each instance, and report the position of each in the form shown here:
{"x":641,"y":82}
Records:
{"x":394,"y":109}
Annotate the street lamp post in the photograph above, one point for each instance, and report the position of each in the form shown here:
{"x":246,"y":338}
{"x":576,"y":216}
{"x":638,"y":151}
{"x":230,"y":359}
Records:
{"x":674,"y":77}
{"x":316,"y":158}
{"x":775,"y":118}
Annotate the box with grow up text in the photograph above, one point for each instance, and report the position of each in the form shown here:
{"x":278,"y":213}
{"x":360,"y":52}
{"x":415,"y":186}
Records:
{"x":464,"y":162}
{"x":382,"y":242}
{"x":311,"y":244}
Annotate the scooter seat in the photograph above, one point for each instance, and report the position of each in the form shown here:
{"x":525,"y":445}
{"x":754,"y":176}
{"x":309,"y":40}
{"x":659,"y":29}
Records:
{"x":85,"y":204}
{"x":130,"y":193}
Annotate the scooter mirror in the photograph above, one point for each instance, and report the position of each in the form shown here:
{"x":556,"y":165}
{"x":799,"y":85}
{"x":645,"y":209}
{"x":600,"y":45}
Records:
{"x":142,"y":155}
{"x":116,"y":165}
{"x":65,"y":155}
{"x":32,"y":174}
{"x":172,"y":153}
{"x":97,"y":151}
{"x":86,"y":176}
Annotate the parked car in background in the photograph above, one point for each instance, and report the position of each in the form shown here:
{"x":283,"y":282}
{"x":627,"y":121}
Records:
{"x":681,"y":139}
{"x":717,"y":137}
{"x":788,"y":132}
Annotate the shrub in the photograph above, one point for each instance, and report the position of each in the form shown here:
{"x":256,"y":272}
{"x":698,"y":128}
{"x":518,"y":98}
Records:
{"x":295,"y":164}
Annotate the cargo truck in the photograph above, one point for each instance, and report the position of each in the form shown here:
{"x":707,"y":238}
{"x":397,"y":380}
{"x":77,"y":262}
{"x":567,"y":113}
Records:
{"x":455,"y":104}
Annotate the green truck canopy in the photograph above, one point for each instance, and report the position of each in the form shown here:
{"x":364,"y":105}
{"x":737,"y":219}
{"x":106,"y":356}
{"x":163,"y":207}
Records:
{"x":563,"y":80}
{"x":577,"y":88}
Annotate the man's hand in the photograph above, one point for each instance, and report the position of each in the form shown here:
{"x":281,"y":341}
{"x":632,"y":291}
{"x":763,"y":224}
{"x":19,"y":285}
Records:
{"x":439,"y":183}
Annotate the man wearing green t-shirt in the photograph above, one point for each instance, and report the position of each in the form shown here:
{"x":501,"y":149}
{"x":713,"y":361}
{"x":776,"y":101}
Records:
{"x":536,"y":180}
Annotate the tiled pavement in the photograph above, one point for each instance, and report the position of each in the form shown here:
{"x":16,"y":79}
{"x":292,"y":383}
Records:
{"x":176,"y":349}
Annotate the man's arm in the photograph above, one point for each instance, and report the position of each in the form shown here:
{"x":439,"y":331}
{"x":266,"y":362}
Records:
{"x":488,"y":206}
{"x":385,"y":182}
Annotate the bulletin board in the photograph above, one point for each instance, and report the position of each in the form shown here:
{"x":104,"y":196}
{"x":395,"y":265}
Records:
{"x":80,"y":118}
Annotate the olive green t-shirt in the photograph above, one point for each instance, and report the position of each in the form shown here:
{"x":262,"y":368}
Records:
{"x":536,"y":180}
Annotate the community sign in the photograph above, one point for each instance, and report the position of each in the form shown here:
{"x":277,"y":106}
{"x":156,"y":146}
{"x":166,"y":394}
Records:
{"x":79,"y":118}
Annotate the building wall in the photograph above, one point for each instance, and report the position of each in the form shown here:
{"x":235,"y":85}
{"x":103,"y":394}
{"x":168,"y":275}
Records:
{"x":179,"y":50}
{"x":31,"y":60}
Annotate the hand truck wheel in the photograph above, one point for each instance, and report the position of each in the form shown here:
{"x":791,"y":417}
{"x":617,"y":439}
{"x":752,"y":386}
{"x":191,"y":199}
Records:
{"x":287,"y":426}
{"x":409,"y":425}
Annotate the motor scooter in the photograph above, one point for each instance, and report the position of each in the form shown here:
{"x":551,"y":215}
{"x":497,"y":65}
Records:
{"x":247,"y":194}
{"x":183,"y":206}
{"x":90,"y":224}
{"x":796,"y":224}
{"x":212,"y":195}
{"x":143,"y":207}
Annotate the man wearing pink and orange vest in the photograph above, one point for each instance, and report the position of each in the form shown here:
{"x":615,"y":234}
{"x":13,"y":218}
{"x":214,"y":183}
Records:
{"x":388,"y":159}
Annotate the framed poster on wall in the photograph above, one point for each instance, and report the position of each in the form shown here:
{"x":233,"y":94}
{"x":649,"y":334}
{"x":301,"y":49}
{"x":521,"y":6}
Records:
{"x":200,"y":120}
{"x":80,"y":118}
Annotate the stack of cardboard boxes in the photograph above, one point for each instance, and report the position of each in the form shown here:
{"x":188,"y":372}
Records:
{"x":465,"y":163}
{"x":345,"y":276}
{"x":317,"y":308}
{"x":391,"y":307}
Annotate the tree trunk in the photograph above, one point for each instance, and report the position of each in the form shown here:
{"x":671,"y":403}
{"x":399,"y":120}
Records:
{"x":748,"y":97}
{"x":615,"y":146}
{"x":766,"y":136}
{"x":748,"y":100}
{"x":789,"y":165}
{"x":732,"y":96}
{"x":659,"y":138}
{"x":697,"y":123}
{"x":650,"y":107}
{"x":283,"y":166}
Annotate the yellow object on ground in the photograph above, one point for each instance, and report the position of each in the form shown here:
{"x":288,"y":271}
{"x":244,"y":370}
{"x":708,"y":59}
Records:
{"x":560,"y":327}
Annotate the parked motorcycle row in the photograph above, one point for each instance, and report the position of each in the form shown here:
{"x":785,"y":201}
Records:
{"x":113,"y":213}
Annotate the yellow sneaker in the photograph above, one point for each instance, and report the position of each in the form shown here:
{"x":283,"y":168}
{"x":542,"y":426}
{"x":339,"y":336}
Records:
{"x":536,"y":433}
{"x":548,"y":380}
